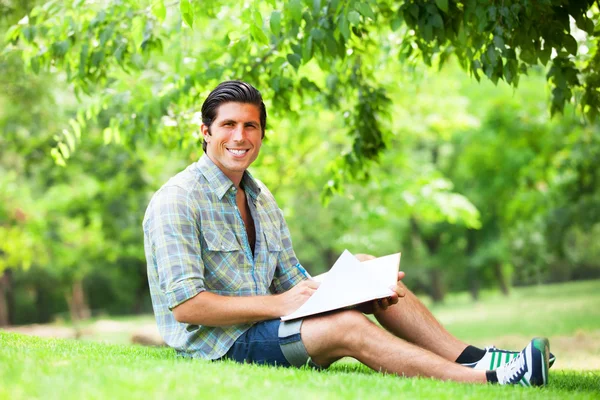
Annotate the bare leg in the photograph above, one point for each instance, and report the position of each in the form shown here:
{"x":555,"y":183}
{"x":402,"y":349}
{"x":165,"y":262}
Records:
{"x":349,"y":333}
{"x":411,"y":320}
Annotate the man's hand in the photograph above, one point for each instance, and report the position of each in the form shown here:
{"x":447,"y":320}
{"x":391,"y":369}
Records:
{"x":364,"y":257}
{"x":291,"y":300}
{"x":380,"y":305}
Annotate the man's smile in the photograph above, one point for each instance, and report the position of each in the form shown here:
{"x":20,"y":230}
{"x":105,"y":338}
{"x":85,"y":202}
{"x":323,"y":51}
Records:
{"x":237,"y":152}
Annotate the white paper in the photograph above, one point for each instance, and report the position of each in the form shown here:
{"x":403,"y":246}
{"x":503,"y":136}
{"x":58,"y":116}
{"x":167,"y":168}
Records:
{"x":350,"y":282}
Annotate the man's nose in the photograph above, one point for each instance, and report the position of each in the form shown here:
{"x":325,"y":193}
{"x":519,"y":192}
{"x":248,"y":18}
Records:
{"x":238,"y":133}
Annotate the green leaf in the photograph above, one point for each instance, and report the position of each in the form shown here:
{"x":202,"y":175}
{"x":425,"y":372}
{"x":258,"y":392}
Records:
{"x":70,"y":139}
{"x":365,"y":9}
{"x":58,"y":158}
{"x":258,"y":34}
{"x":64,"y":150}
{"x":294,"y":8}
{"x":544,"y":54}
{"x":570,"y":44}
{"x":276,"y":65}
{"x":83,"y":57}
{"x":442,"y":5}
{"x":97,"y":58}
{"x":307,"y":51}
{"x":297,"y":48}
{"x":159,"y":10}
{"x":333,"y":47}
{"x":107,"y":135}
{"x":106,"y":34}
{"x":317,"y":34}
{"x":528,"y":56}
{"x":354,"y":17}
{"x":413,"y":9}
{"x":35,"y":64}
{"x":275,"y":22}
{"x":499,"y":42}
{"x":28,"y":33}
{"x":428,"y":32}
{"x":344,"y":27}
{"x":436,"y":21}
{"x":258,"y":20}
{"x":492,"y":55}
{"x":76,"y":128}
{"x":462,"y":36}
{"x":396,"y":23}
{"x":59,"y":49}
{"x":186,"y":12}
{"x":589,"y":26}
{"x":316,"y":6}
{"x":295,"y":60}
{"x":12,"y":33}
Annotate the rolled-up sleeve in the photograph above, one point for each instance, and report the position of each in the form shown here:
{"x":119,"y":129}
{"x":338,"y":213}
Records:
{"x":288,"y":272}
{"x":172,"y":230}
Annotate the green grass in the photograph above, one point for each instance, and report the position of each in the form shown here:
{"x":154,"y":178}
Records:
{"x":62,"y":369}
{"x":36,"y":368}
{"x":549,"y":310}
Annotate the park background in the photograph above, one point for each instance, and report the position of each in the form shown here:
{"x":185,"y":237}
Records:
{"x":444,"y":130}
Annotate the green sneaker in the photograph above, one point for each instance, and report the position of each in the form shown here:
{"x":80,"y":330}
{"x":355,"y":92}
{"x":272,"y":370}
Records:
{"x":529,"y":367}
{"x":495,"y":358}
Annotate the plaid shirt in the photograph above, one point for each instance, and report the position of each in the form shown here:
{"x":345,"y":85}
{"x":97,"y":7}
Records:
{"x":195,"y":240}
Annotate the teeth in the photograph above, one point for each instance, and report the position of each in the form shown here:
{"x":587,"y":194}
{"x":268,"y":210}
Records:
{"x":237,"y":152}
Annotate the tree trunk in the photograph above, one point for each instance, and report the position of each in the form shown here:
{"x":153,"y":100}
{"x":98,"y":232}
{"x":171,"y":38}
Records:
{"x":437,"y":285}
{"x":474,"y":288}
{"x":141,"y":293}
{"x":501,"y":279}
{"x":42,"y":304}
{"x":473,"y":272}
{"x":4,"y":308}
{"x":331,"y":256}
{"x":78,"y":307}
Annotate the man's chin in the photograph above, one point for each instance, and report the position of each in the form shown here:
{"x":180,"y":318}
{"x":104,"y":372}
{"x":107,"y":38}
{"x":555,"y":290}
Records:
{"x":239,"y":166}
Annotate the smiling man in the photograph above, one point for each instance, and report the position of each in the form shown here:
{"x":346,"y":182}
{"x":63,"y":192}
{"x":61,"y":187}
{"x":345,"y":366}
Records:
{"x":222,"y":270}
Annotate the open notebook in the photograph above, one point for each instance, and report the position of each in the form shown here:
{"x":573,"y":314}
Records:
{"x":349,"y":283}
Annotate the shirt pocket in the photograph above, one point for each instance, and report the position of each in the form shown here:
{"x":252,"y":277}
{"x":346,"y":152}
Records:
{"x":273,"y":240}
{"x":223,"y":260}
{"x":274,"y":247}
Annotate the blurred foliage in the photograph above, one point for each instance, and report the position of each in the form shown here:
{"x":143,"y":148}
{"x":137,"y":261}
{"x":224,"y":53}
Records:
{"x":149,"y":61}
{"x":474,"y":182}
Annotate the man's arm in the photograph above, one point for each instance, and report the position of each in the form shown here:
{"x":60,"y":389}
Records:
{"x":211,"y":309}
{"x":288,"y":272}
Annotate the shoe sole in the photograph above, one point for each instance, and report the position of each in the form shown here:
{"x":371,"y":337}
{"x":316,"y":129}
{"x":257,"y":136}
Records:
{"x":542,"y":345}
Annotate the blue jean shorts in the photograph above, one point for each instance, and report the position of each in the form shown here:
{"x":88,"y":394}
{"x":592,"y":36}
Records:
{"x":271,"y":342}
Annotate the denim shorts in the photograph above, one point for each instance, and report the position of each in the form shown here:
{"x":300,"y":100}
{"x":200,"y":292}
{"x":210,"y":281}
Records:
{"x":271,"y":342}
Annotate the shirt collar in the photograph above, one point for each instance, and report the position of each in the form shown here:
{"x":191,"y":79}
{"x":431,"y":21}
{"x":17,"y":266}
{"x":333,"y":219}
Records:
{"x":220,"y":183}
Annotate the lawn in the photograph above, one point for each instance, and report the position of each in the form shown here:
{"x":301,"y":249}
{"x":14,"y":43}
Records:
{"x":52,"y":368}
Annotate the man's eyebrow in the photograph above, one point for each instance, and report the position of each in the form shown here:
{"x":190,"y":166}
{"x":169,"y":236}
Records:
{"x":226,"y":121}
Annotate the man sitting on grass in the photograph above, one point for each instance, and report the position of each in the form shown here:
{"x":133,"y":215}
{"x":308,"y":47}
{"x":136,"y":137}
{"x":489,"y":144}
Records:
{"x":222,"y":270}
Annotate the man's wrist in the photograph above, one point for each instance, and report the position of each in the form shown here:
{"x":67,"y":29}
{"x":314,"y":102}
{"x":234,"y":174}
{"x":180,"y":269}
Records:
{"x":274,"y":305}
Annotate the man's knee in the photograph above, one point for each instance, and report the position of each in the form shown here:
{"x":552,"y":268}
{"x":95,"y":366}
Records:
{"x":347,"y":319}
{"x":337,"y":332}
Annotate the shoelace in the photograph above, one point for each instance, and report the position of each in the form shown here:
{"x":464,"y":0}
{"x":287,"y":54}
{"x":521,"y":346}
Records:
{"x":514,"y":370}
{"x":494,"y":348}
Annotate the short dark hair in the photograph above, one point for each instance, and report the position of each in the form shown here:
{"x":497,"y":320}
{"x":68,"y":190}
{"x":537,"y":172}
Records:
{"x":232,"y":92}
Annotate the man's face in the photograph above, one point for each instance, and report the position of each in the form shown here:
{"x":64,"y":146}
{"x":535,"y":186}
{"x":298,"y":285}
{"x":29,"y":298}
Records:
{"x":235,"y":138}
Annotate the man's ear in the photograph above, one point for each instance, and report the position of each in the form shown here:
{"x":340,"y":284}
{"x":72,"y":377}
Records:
{"x":205,"y":132}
